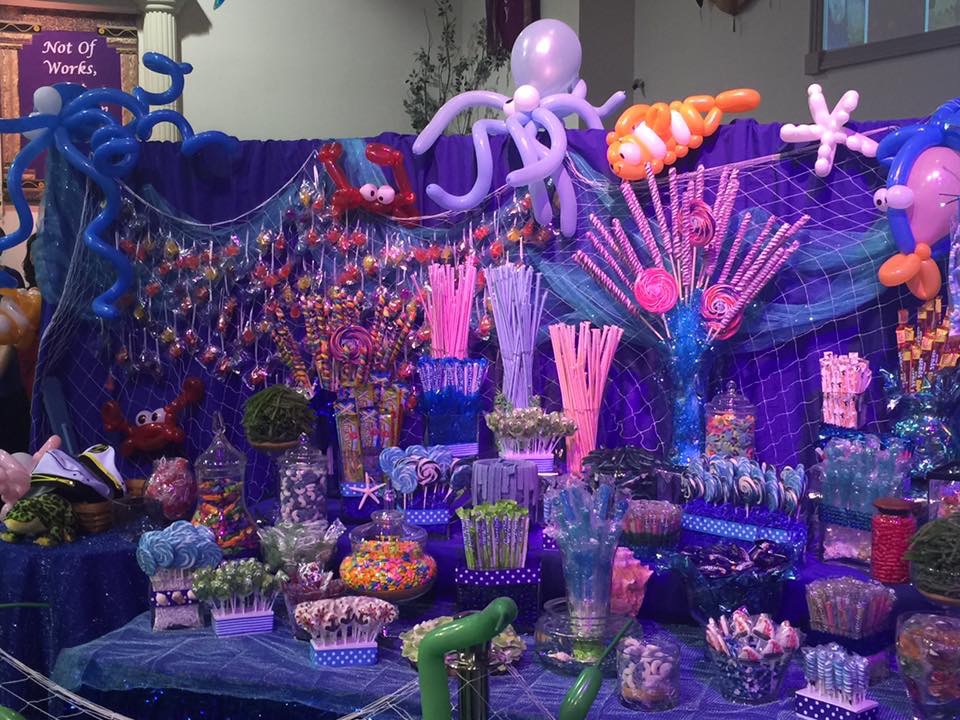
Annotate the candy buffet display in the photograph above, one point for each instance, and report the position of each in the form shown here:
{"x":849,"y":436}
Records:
{"x":221,"y":474}
{"x":343,"y":631}
{"x":505,"y":648}
{"x":928,"y":655}
{"x":731,"y":421}
{"x":724,"y":577}
{"x":837,"y":685}
{"x":169,"y":558}
{"x":751,"y":655}
{"x":337,"y":329}
{"x":495,"y":535}
{"x":303,"y":483}
{"x":649,"y":673}
{"x":849,"y":607}
{"x":843,"y":380}
{"x":171,"y":490}
{"x":933,"y":555}
{"x":528,"y":433}
{"x":388,"y":560}
{"x":652,"y":524}
{"x":240,"y":594}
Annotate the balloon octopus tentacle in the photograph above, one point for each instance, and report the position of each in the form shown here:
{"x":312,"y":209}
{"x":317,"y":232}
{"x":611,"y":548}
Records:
{"x":547,"y":164}
{"x":482,"y":130}
{"x":449,"y":111}
{"x":525,"y":139}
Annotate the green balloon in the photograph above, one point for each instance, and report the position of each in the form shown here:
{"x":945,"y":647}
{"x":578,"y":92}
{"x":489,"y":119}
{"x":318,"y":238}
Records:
{"x":461,"y":634}
{"x":8,"y":714}
{"x":579,"y":698}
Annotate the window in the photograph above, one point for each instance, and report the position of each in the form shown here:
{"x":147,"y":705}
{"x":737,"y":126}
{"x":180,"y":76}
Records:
{"x":848,"y":32}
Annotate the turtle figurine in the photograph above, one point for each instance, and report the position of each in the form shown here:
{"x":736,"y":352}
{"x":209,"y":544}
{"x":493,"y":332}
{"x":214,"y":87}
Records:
{"x":47,"y":518}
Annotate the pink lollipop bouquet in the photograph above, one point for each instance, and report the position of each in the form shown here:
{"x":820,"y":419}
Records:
{"x":686,"y":276}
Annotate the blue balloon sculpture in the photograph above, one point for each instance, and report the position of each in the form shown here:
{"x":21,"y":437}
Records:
{"x":545,"y":64}
{"x":71,"y":118}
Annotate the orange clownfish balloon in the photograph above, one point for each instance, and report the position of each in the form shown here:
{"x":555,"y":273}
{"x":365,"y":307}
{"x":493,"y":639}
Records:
{"x":660,"y":133}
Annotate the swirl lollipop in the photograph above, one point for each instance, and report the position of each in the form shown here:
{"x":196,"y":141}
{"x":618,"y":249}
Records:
{"x":404,"y":477}
{"x":441,"y":454}
{"x":751,"y":490}
{"x":428,"y":471}
{"x":701,"y":225}
{"x":352,"y":345}
{"x":656,"y":290}
{"x":416,"y":451}
{"x":389,"y":457}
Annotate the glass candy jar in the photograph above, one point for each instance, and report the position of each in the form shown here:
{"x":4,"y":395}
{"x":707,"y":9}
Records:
{"x":893,"y":528}
{"x":220,"y":473}
{"x":388,"y":560}
{"x":928,"y":653}
{"x":731,"y":420}
{"x":303,"y":483}
{"x":649,"y":673}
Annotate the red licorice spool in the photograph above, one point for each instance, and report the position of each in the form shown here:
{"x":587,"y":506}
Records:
{"x":893,"y":527}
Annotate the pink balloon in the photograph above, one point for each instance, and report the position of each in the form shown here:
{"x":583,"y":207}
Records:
{"x":935,"y":181}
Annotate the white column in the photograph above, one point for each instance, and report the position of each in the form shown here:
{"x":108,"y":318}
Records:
{"x":160,"y":35}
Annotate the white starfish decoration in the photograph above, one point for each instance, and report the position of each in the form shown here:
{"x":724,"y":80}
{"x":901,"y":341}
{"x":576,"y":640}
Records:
{"x":369,"y":490}
{"x":828,"y":128}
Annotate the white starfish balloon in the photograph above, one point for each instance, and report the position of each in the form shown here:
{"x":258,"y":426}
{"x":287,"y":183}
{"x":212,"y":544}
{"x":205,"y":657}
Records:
{"x":828,"y":129}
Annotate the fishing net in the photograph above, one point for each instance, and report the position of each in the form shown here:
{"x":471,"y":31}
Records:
{"x":825,"y":298}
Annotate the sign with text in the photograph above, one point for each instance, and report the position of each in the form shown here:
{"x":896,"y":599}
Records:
{"x":62,"y":56}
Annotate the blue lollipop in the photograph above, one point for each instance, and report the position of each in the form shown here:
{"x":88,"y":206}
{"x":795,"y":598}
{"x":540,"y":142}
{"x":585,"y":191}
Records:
{"x":404,"y":476}
{"x":417,"y":450}
{"x":389,"y":457}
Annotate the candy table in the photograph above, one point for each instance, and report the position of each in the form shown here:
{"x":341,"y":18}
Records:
{"x":92,"y":586}
{"x":162,"y":675}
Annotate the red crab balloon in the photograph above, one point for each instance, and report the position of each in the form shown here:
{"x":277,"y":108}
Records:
{"x":152,"y":430}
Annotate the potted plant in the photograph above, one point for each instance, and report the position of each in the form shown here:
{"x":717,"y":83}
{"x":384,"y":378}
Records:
{"x":240,"y":594}
{"x":528,"y":433}
{"x":275,"y":417}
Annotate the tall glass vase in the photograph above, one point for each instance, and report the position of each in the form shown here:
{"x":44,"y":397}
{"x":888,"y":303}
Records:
{"x":688,"y":364}
{"x":588,"y":571}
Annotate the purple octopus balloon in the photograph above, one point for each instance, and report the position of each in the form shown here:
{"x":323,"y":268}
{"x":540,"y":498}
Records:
{"x":545,"y":64}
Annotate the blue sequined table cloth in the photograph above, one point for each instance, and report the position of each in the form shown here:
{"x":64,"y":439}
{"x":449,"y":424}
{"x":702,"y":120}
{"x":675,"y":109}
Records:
{"x":192,"y":673}
{"x":92,"y":586}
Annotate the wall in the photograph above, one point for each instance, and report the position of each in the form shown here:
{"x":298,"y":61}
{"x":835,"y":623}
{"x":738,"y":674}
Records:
{"x":681,"y":50}
{"x":319,"y":68}
{"x":312,"y":68}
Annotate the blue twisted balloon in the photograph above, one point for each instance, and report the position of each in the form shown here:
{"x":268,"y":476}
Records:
{"x":70,"y":118}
